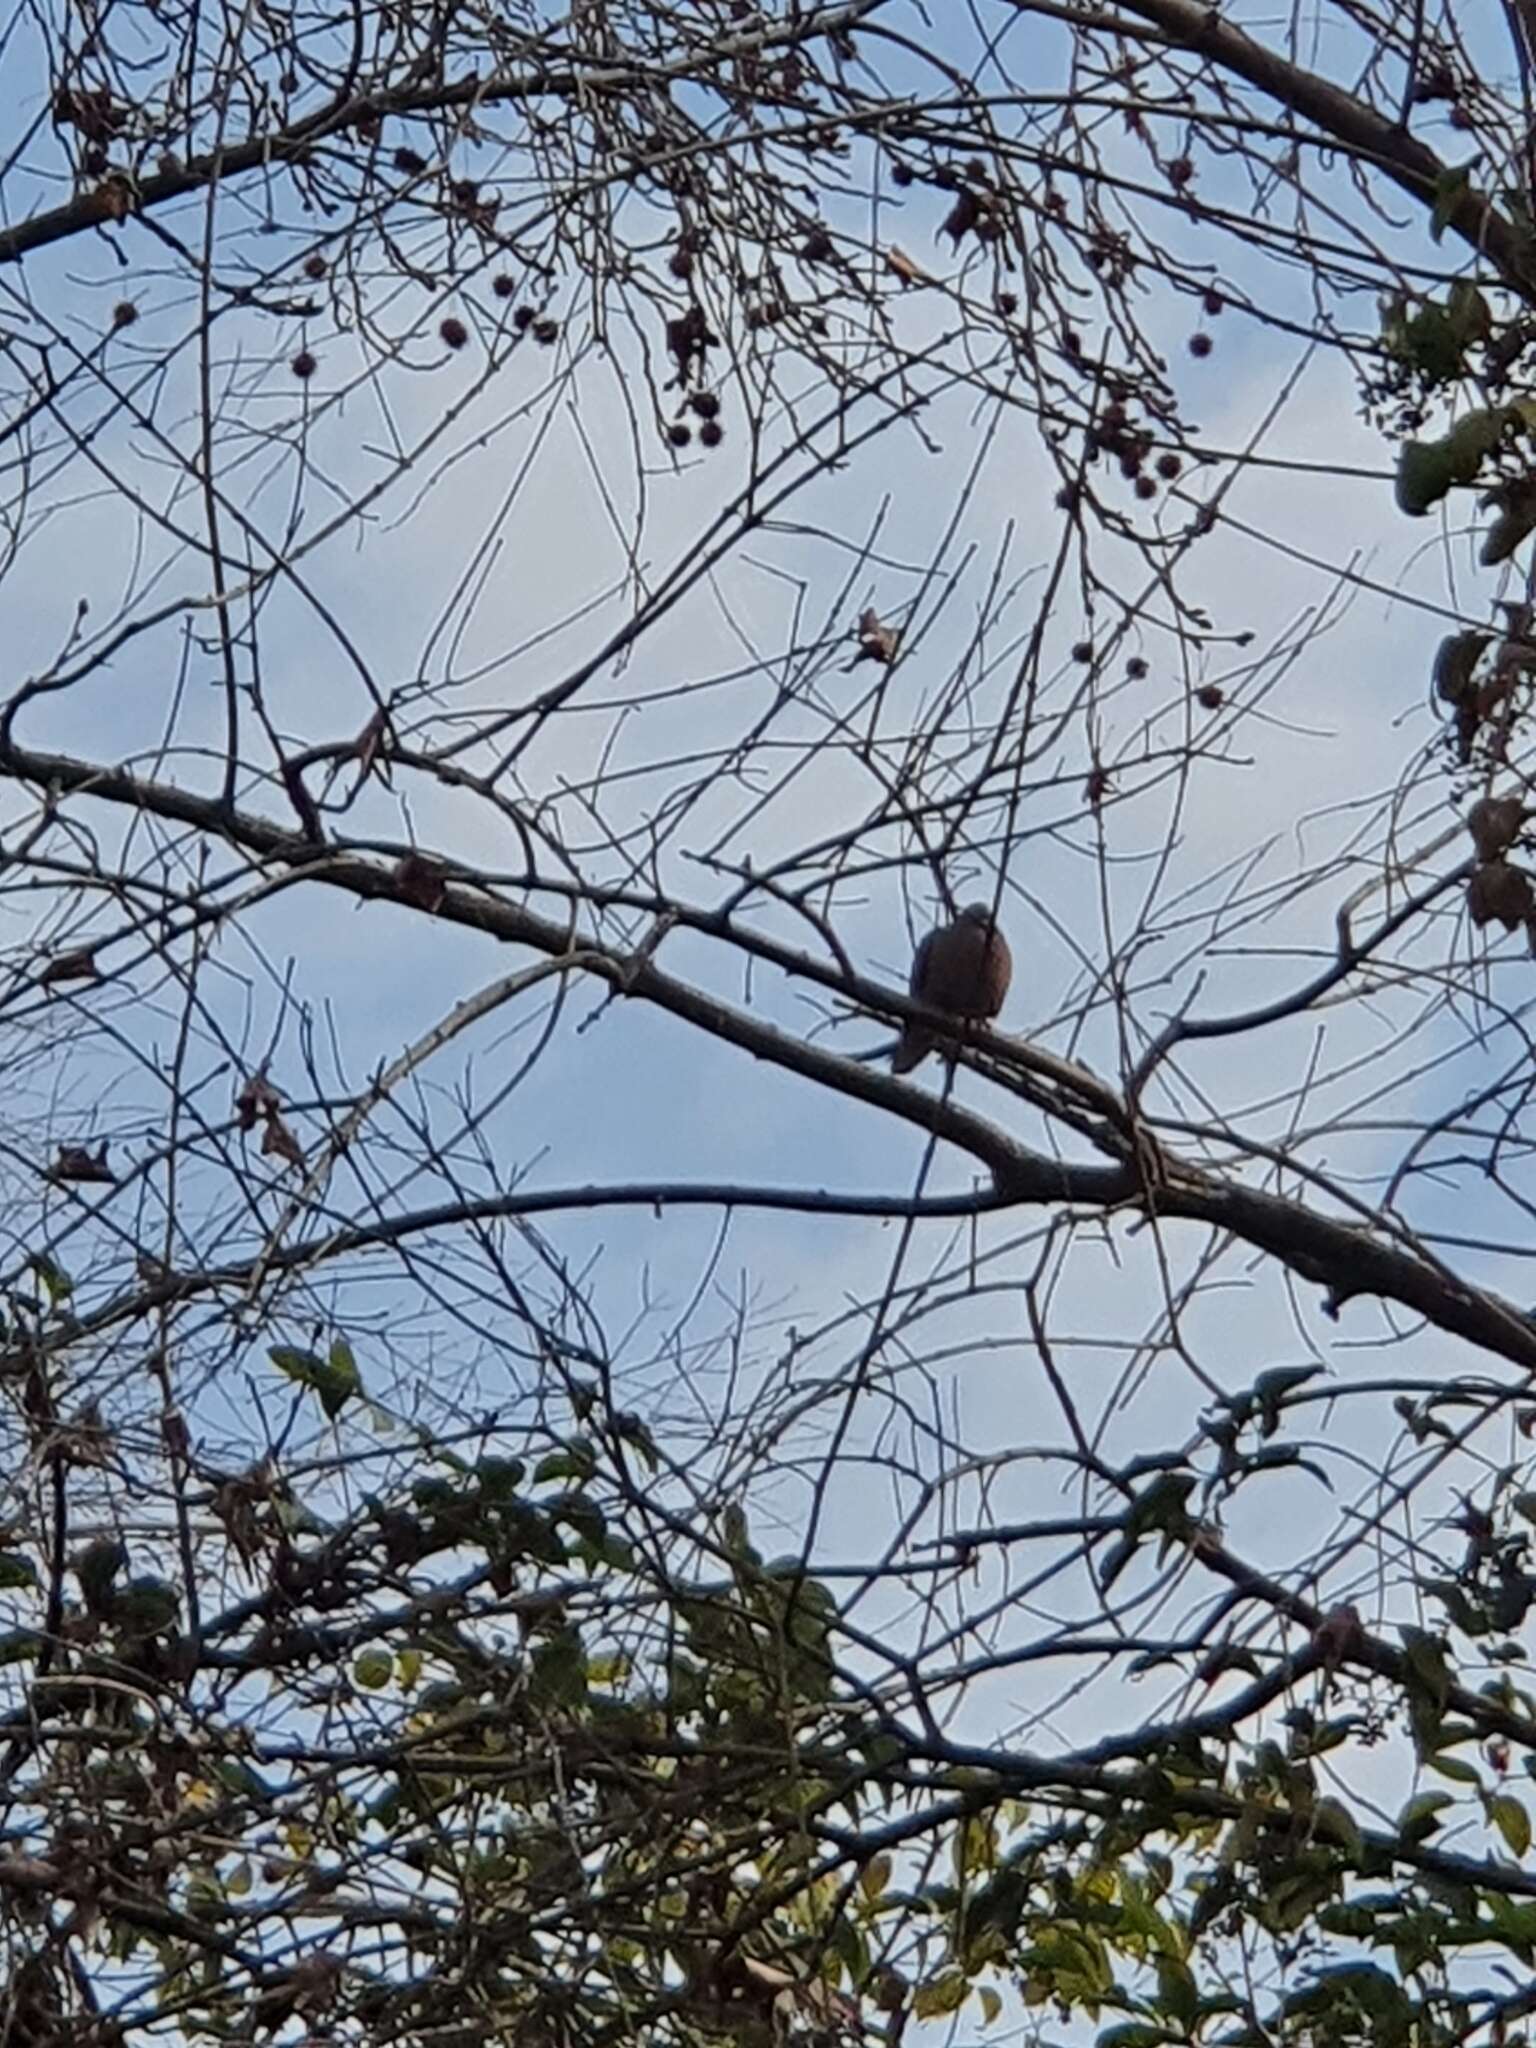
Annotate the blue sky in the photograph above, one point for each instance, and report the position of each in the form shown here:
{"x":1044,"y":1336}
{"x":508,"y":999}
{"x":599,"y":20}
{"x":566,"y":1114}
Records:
{"x":635,"y":1096}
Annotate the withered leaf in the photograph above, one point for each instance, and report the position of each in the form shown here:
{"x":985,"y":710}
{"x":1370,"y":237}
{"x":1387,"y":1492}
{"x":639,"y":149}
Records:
{"x":1494,"y":823}
{"x":80,"y":965}
{"x":257,"y":1099}
{"x":898,"y":261}
{"x":114,"y":198}
{"x":92,"y":110}
{"x":877,"y":642}
{"x":1500,"y":893}
{"x":278,"y":1141}
{"x":367,"y":747}
{"x":962,"y":216}
{"x":420,"y":882}
{"x":1455,"y":660}
{"x":79,"y":1163}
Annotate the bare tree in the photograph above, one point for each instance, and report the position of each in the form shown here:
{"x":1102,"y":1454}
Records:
{"x":552,"y":1496}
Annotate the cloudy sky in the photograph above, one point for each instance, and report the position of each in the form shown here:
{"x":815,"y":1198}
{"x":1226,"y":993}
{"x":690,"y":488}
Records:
{"x":537,"y":508}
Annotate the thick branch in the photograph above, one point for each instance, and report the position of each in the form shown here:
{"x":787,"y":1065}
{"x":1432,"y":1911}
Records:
{"x":1410,"y":164}
{"x":1345,"y":1259}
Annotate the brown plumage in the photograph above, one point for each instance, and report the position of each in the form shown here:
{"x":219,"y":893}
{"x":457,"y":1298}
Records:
{"x":963,"y":968}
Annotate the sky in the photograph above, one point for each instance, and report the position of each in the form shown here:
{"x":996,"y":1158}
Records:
{"x":508,"y":551}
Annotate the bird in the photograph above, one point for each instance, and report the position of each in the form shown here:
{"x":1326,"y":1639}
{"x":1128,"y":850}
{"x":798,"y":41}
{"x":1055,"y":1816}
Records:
{"x":963,"y":967}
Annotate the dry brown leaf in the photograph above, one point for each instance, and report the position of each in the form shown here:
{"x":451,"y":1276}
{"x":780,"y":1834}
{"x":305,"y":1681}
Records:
{"x":367,"y":747}
{"x":278,"y":1141}
{"x":80,"y":965}
{"x":898,"y":261}
{"x":877,"y":642}
{"x":420,"y":882}
{"x":1500,"y":893}
{"x":79,"y":1163}
{"x":1494,"y":823}
{"x":257,"y":1099}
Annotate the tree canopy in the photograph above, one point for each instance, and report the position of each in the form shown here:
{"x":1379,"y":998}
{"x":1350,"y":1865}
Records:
{"x":550,"y":1496}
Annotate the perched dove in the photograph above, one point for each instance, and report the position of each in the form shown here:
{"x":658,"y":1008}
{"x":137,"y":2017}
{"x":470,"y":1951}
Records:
{"x":963,"y":968}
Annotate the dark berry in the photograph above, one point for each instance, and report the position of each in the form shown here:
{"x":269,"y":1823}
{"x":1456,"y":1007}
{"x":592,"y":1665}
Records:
{"x":303,"y":364}
{"x":502,"y":285}
{"x":315,"y":266}
{"x":679,"y":433}
{"x":1200,"y":344}
{"x":1145,"y":487}
{"x":1083,"y":652}
{"x":1211,"y":696}
{"x":680,"y":263}
{"x":546,"y":332}
{"x":711,"y":434}
{"x":454,"y":332}
{"x":706,"y":404}
{"x":1007,"y":304}
{"x":1168,"y":466}
{"x":522,"y":319}
{"x":124,"y":313}
{"x":1066,"y":498}
{"x":817,"y":246}
{"x":1180,"y":171}
{"x":901,"y":174}
{"x":1213,"y":302}
{"x":409,"y":161}
{"x":1136,"y":668}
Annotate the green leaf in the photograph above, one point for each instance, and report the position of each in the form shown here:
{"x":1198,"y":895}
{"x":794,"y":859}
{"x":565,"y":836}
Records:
{"x":1450,"y":188}
{"x":1516,"y":506}
{"x":1424,"y":474}
{"x":558,"y":1670}
{"x":342,"y":1379}
{"x":1457,"y":658}
{"x":16,"y":1570}
{"x":945,"y":1993}
{"x":1333,"y":1821}
{"x":1419,"y":1819}
{"x":574,"y":1461}
{"x":875,"y":1876}
{"x":56,"y":1282}
{"x":145,"y":1606}
{"x":335,"y":1379}
{"x":373,"y":1669}
{"x":633,"y":1430}
{"x":1177,"y":1994}
{"x":1472,"y":440}
{"x":1456,"y":1768}
{"x":1510,"y":1816}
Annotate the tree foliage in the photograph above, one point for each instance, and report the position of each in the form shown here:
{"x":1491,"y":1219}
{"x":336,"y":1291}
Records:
{"x":550,"y":1497}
